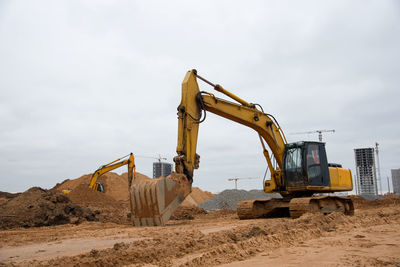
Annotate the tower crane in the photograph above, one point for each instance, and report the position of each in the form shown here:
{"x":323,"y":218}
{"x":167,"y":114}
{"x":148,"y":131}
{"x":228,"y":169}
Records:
{"x":236,"y":179}
{"x":159,"y":158}
{"x":317,"y":131}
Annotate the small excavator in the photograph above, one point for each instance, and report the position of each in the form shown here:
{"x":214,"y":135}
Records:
{"x":111,"y":166}
{"x":298,"y":170}
{"x":93,"y":184}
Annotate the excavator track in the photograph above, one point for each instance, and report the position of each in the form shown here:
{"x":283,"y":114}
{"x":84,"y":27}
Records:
{"x":295,"y":207}
{"x":263,"y":208}
{"x":322,"y":204}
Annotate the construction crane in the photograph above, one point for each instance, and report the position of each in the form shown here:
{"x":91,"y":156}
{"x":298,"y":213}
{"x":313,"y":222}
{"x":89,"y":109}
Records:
{"x":236,"y":179}
{"x":159,"y":158}
{"x":317,"y":131}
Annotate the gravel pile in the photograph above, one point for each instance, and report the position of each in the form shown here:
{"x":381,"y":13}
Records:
{"x":229,"y":199}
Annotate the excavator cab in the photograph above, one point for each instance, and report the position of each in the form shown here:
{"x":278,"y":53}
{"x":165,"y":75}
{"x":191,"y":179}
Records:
{"x":305,"y":164}
{"x":99,"y":187}
{"x":306,"y":169}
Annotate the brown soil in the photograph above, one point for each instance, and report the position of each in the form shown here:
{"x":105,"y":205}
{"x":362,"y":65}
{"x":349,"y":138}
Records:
{"x":187,"y":213}
{"x":113,"y":204}
{"x":108,"y":209}
{"x":8,"y":195}
{"x":39,"y":207}
{"x":360,"y":202}
{"x":196,"y":197}
{"x":116,"y":187}
{"x":195,"y":237}
{"x":82,"y":194}
{"x":3,"y":200}
{"x":369,"y":238}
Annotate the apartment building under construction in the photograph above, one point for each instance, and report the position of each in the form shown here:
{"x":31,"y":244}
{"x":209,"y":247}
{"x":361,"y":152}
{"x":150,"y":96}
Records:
{"x":366,"y":171}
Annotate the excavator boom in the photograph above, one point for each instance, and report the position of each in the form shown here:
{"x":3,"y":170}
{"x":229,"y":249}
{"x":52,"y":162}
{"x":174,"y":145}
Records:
{"x":194,"y":102}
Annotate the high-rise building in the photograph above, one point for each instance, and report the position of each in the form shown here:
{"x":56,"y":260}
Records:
{"x":396,"y":181}
{"x":366,"y":171}
{"x":161,"y":169}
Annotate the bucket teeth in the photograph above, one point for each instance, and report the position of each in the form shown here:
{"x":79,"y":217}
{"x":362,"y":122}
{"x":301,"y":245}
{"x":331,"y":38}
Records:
{"x":154,"y":200}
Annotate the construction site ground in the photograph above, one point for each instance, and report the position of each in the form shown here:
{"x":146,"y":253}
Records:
{"x":45,"y":228}
{"x":369,"y":238}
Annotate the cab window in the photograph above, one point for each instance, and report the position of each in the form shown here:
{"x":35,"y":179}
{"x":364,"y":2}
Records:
{"x":313,"y":162}
{"x":293,"y":159}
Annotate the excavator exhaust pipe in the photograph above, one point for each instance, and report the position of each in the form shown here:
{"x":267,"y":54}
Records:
{"x":154,"y":200}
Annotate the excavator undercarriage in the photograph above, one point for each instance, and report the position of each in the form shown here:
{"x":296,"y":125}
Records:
{"x":295,"y":207}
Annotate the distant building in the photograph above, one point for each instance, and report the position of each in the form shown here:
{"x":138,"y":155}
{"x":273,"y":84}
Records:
{"x":366,"y":171}
{"x":396,"y":181}
{"x":161,"y":169}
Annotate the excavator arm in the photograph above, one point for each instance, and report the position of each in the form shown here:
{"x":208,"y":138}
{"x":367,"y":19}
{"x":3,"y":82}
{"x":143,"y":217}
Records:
{"x":195,"y":103}
{"x":154,"y":200}
{"x":114,"y":165}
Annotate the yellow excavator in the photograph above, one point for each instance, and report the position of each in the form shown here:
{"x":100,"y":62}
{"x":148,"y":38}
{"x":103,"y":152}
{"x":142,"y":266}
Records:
{"x":298,"y":170}
{"x":93,"y":184}
{"x":111,"y":166}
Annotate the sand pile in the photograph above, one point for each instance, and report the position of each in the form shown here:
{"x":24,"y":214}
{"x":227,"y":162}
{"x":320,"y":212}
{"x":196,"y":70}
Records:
{"x":39,"y":207}
{"x":82,"y":194}
{"x":108,"y":209}
{"x":228,"y":199}
{"x":8,"y":195}
{"x":113,"y":204}
{"x":116,"y":187}
{"x":5,"y":196}
{"x":196,"y":197}
{"x":361,"y":202}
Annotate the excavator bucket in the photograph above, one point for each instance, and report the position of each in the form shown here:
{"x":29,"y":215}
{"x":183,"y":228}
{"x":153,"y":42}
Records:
{"x":154,"y":200}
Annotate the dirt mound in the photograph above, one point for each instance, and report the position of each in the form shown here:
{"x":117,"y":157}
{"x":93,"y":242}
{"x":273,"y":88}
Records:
{"x":8,"y":195}
{"x":108,"y":208}
{"x":3,"y":200}
{"x":115,"y":185}
{"x":196,"y":197}
{"x":391,"y":197}
{"x":187,"y":213}
{"x":39,"y":207}
{"x":113,"y":204}
{"x":200,"y":196}
{"x":386,"y":200}
{"x":72,"y":184}
{"x":82,"y":194}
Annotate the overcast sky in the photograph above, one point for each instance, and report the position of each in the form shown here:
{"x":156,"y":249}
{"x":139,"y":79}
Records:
{"x":85,"y":82}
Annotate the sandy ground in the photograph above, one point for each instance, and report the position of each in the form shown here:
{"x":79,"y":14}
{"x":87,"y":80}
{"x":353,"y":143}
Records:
{"x":369,"y":246}
{"x":369,"y":238}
